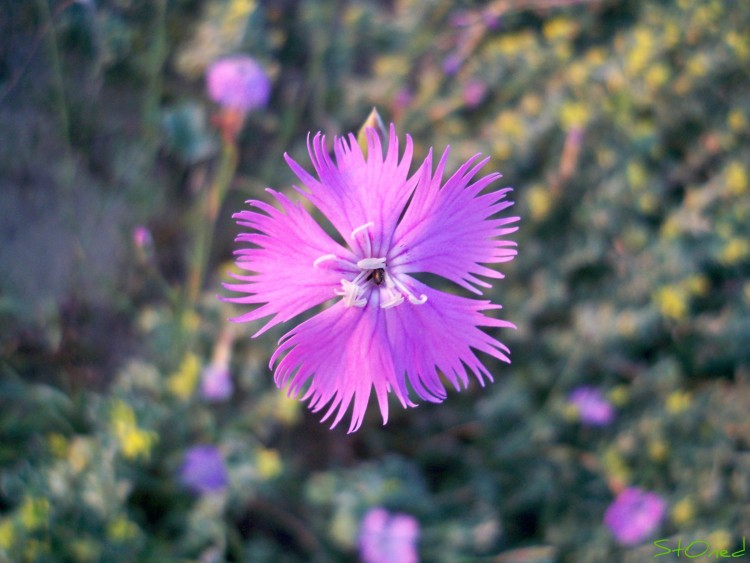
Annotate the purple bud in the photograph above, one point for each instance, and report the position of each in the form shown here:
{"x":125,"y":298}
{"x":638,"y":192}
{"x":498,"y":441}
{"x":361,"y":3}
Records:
{"x":216,"y":382}
{"x":142,"y":238}
{"x":238,"y":83}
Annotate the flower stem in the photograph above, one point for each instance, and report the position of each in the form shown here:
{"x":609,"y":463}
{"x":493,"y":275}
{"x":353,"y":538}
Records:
{"x":208,"y":210}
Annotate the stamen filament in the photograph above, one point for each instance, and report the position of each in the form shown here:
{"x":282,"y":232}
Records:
{"x":368,"y":244}
{"x":421,"y":300}
{"x":361,"y":228}
{"x":323,"y":258}
{"x":371,"y":263}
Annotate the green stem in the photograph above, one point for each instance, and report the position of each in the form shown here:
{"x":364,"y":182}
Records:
{"x":157,"y":56}
{"x":205,"y":219}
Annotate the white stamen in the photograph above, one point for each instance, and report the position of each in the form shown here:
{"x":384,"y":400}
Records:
{"x":421,"y":300}
{"x":394,"y":299}
{"x":371,"y":263}
{"x":368,"y":243}
{"x":352,"y":294}
{"x":323,"y":258}
{"x":356,"y":231}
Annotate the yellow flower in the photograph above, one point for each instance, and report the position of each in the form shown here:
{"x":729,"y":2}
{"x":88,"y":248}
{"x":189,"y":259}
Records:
{"x":531,"y":104}
{"x":647,"y":203}
{"x":573,"y":114}
{"x":79,"y":454}
{"x":34,"y":513}
{"x":657,"y":75}
{"x":268,"y":462}
{"x":736,"y":178}
{"x":739,"y":43}
{"x":619,"y":395}
{"x":509,"y":124}
{"x":671,"y":227}
{"x":720,"y":540}
{"x":392,"y":65}
{"x":540,"y":202}
{"x":7,"y":533}
{"x":737,"y":121}
{"x":502,"y":149}
{"x":637,"y":175}
{"x":735,"y":250}
{"x":183,"y":382}
{"x":641,"y":52}
{"x":697,"y":65}
{"x":578,"y":73}
{"x":559,"y":28}
{"x":697,"y":284}
{"x":121,"y":529}
{"x":670,"y":34}
{"x":657,"y":450}
{"x":672,"y":302}
{"x":134,"y":441}
{"x":190,"y":321}
{"x":678,"y":402}
{"x":287,"y":409}
{"x":596,"y":56}
{"x":683,"y":512}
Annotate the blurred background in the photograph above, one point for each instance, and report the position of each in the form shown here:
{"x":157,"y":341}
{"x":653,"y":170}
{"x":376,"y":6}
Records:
{"x":137,"y":424}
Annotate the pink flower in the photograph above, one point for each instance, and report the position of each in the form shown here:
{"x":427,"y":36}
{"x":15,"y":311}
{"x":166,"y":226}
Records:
{"x":634,"y":515}
{"x":386,"y":329}
{"x":474,"y":92}
{"x":238,"y":83}
{"x":388,"y":538}
{"x":593,"y":408}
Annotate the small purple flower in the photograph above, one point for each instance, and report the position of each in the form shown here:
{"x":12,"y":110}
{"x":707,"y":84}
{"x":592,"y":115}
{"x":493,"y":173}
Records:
{"x":216,"y":382}
{"x":142,"y":238}
{"x":238,"y":83}
{"x":203,"y":470}
{"x":388,"y":330}
{"x":452,"y":63}
{"x":388,"y":538}
{"x":474,"y":92}
{"x":634,"y":515}
{"x":593,"y":408}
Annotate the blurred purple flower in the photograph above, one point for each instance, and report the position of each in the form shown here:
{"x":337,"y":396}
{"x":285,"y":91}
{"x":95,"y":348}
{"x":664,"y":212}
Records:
{"x":593,"y":408}
{"x":238,"y":83}
{"x":474,"y":92}
{"x":634,"y":515}
{"x":388,"y":538}
{"x":452,"y":64}
{"x":142,"y":237}
{"x":389,"y":330}
{"x":203,"y":469}
{"x":216,"y":382}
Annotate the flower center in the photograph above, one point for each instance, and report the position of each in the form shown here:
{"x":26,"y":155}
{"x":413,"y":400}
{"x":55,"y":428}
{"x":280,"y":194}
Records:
{"x":372,"y":277}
